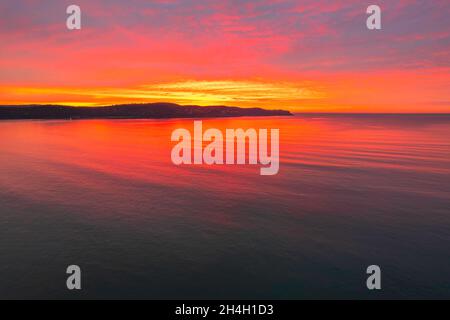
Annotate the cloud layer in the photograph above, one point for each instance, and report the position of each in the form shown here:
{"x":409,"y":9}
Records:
{"x":304,"y":55}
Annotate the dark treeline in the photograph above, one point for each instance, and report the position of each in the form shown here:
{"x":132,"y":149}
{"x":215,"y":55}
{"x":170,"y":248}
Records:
{"x":131,"y":111}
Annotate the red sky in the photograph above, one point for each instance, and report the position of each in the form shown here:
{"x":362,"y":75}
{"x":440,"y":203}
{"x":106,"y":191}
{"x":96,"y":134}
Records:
{"x":298,"y":55}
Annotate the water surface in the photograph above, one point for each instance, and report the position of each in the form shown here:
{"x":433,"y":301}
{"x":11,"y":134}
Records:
{"x":103,"y":194}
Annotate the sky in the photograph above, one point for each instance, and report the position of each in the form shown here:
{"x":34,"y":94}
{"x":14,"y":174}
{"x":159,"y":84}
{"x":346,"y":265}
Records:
{"x":304,"y":56}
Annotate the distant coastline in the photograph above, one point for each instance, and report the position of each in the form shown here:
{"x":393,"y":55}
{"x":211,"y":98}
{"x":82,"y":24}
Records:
{"x":131,"y":111}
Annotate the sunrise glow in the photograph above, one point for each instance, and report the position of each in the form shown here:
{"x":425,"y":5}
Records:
{"x":302,"y":56}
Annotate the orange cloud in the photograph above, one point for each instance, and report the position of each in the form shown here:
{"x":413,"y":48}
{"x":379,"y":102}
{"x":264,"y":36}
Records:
{"x":308,"y":56}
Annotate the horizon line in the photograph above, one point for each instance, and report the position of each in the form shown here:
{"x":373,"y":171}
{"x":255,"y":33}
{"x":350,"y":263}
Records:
{"x":232,"y":106}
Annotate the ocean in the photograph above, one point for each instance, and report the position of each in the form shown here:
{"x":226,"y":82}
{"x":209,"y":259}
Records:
{"x":352,"y":191}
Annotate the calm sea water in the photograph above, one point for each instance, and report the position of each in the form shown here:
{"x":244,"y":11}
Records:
{"x":103,"y":194}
